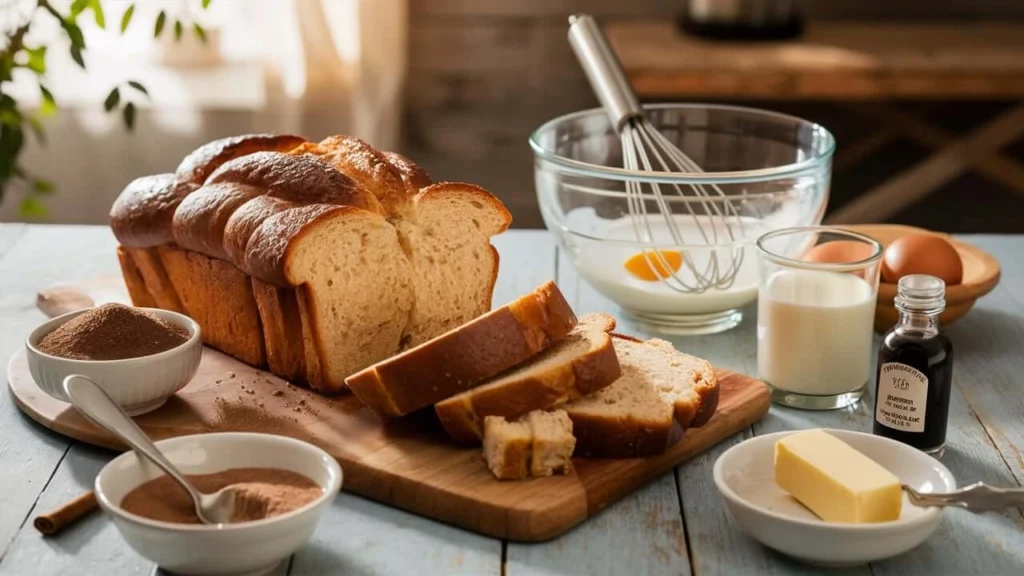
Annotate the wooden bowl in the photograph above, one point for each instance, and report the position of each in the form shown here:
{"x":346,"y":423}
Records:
{"x":981,"y":274}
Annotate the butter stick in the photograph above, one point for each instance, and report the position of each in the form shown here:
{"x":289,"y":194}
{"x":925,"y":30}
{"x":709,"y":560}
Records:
{"x":835,"y":481}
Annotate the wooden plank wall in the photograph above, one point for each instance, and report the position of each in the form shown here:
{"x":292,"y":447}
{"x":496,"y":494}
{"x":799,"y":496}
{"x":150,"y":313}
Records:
{"x":484,"y":73}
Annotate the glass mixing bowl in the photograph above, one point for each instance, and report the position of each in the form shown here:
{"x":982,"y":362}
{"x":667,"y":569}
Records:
{"x":762,"y":171}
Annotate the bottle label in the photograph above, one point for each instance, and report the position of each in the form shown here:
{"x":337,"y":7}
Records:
{"x":902,"y":395}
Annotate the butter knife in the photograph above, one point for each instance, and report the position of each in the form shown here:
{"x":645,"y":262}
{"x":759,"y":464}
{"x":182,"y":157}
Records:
{"x":977,"y":497}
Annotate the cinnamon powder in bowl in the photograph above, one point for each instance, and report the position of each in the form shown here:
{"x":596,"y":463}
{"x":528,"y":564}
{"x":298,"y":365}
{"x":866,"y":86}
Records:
{"x":214,"y":459}
{"x":113,"y":332}
{"x":139,"y":356}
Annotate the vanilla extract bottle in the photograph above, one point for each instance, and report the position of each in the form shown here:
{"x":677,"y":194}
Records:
{"x":915,"y":368}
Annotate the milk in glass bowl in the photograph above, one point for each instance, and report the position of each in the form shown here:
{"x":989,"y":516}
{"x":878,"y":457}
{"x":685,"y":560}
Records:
{"x":762,"y":171}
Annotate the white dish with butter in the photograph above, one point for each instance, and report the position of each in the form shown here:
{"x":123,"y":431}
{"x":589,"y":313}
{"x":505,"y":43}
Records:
{"x":745,"y":476}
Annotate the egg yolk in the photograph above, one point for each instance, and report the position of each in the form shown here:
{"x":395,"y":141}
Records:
{"x":655,"y":270}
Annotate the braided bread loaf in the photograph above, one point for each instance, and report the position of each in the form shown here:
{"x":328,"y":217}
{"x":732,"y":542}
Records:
{"x":312,"y":259}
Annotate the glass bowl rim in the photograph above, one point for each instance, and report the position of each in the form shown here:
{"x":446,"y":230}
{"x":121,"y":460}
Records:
{"x":876,"y":255}
{"x":737,"y":176}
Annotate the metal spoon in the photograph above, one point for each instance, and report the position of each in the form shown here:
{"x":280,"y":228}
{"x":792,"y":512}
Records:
{"x":977,"y":497}
{"x":97,"y":406}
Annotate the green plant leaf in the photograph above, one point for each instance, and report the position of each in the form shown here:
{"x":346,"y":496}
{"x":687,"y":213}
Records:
{"x":6,"y":66}
{"x":10,"y":116}
{"x":129,"y":115}
{"x":138,"y":86}
{"x":40,"y":186}
{"x":74,"y":33}
{"x":77,"y":7}
{"x":112,"y":99}
{"x":200,"y":33}
{"x":32,"y":208}
{"x":53,"y":12}
{"x":76,"y":55}
{"x":48,"y":106}
{"x":12,"y":138}
{"x":97,"y":12}
{"x":161,"y":19}
{"x":206,"y":4}
{"x":178,"y":30}
{"x":37,"y":59}
{"x":37,"y":128}
{"x":127,"y":18}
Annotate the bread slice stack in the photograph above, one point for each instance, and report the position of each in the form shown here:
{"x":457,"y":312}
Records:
{"x":533,"y":384}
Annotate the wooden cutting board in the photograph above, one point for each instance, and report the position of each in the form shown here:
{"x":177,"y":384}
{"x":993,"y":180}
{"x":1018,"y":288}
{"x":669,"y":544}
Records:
{"x":408,"y":463}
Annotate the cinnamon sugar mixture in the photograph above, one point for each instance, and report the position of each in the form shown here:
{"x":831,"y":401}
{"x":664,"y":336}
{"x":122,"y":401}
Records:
{"x":113,"y":332}
{"x":260,"y":493}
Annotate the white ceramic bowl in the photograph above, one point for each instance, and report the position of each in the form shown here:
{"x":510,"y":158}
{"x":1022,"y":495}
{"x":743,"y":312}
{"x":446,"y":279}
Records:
{"x":745,"y":476}
{"x":138,"y":385}
{"x":224,"y":548}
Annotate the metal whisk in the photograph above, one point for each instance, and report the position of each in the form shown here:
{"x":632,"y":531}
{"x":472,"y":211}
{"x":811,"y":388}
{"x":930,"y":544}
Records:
{"x":644,"y":148}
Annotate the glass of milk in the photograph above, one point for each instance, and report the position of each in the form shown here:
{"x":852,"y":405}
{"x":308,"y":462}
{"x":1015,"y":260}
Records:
{"x":815,"y":318}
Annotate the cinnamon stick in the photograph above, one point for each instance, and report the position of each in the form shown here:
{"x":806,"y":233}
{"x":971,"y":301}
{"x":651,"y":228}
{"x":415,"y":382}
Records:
{"x":60,"y":518}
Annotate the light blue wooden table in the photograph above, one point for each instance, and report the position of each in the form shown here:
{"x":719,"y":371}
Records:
{"x":675,"y":525}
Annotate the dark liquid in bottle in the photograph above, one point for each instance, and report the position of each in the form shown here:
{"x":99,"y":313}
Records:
{"x":897,"y":390}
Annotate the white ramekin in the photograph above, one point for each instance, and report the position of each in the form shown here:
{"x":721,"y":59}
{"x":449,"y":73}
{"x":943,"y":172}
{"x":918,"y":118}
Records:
{"x":138,"y":385}
{"x":242,"y":548}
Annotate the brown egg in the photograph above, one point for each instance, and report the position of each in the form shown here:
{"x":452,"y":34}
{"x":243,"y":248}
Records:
{"x":922,"y":254}
{"x":839,"y":252}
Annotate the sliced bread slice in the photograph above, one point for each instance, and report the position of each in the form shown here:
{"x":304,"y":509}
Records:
{"x":581,"y":364}
{"x":465,"y":356}
{"x":660,"y":390}
{"x":538,"y":444}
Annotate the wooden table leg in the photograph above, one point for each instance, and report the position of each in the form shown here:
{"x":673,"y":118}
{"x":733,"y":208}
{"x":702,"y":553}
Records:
{"x":978,"y":149}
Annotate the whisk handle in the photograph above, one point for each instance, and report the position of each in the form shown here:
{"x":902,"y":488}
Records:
{"x":603,"y":69}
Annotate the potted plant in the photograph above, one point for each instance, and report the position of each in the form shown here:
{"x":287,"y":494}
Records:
{"x":19,"y":54}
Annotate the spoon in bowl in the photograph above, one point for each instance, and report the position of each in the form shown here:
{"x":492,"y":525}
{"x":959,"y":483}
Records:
{"x":100,"y":409}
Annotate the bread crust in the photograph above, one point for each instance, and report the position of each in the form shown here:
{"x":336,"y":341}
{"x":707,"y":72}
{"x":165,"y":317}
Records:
{"x":602,"y":438}
{"x":137,"y":290}
{"x":219,"y":298}
{"x":203,"y":161}
{"x":463,"y":415}
{"x":201,"y":217}
{"x":282,"y":330}
{"x":462,"y":358}
{"x":151,"y":268}
{"x":364,"y":164}
{"x":142,"y":214}
{"x":414,"y":177}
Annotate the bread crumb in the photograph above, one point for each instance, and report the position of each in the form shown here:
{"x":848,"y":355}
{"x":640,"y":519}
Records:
{"x":231,"y":374}
{"x":278,"y":393}
{"x":216,"y":381}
